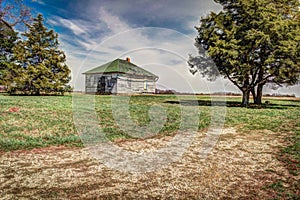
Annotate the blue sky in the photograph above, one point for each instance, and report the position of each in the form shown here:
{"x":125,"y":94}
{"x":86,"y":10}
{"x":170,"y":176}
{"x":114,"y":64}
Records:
{"x":158,"y":36}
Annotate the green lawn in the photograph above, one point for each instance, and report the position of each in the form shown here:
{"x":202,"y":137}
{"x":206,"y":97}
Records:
{"x":38,"y":121}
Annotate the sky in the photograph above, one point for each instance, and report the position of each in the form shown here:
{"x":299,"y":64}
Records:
{"x":158,"y":35}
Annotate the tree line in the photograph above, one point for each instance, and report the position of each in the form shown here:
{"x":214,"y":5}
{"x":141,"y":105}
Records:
{"x":252,"y":43}
{"x":31,"y":63}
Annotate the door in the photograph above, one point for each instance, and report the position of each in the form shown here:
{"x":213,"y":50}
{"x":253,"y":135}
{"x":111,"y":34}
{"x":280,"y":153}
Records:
{"x":101,"y":85}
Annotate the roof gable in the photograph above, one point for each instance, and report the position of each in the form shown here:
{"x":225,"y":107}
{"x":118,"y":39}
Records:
{"x":120,"y":66}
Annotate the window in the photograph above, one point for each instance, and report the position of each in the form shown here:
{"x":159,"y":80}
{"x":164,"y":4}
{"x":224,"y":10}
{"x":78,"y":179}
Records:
{"x":109,"y":82}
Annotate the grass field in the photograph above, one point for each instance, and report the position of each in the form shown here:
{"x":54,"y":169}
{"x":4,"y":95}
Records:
{"x":32,"y":121}
{"x":28,"y":122}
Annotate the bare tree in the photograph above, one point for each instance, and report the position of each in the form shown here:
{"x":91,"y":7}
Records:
{"x":14,"y":13}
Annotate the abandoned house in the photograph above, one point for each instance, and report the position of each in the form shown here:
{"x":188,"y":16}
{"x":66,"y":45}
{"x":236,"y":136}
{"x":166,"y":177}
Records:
{"x":119,"y":77}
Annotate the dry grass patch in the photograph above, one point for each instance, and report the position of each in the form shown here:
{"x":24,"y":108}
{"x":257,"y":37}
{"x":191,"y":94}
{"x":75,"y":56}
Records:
{"x":239,"y":166}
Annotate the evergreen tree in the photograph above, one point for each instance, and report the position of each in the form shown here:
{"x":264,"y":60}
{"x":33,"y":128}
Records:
{"x":252,"y":43}
{"x":12,"y":14}
{"x":40,"y":65}
{"x":8,"y":38}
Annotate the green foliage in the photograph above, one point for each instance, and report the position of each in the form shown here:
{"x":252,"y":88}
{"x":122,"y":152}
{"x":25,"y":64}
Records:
{"x":7,"y":41}
{"x":12,"y":14}
{"x":252,"y":43}
{"x":40,"y":65}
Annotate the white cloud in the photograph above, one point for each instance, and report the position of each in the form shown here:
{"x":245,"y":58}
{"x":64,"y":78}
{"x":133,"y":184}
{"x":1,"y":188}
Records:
{"x":88,"y":45}
{"x":114,"y":23}
{"x":72,"y":26}
{"x":53,"y":22}
{"x":41,"y":2}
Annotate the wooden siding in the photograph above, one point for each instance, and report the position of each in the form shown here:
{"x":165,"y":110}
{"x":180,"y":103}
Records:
{"x":124,"y":84}
{"x":91,"y":82}
{"x":134,"y":85}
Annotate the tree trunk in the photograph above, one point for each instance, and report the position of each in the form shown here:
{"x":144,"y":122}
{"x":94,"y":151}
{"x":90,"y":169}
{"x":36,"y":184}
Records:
{"x":253,"y":95}
{"x":259,"y":94}
{"x":245,"y":101}
{"x":259,"y":88}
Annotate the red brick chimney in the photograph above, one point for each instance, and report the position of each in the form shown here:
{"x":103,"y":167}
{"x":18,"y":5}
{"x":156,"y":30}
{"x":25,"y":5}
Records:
{"x":128,"y":59}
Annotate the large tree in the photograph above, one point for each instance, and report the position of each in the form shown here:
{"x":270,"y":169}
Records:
{"x":252,"y":43}
{"x":12,"y":14}
{"x":39,"y":63}
{"x":8,"y":38}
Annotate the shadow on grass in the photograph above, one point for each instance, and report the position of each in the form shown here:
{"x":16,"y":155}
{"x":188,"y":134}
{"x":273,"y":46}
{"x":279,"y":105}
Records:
{"x":231,"y":104}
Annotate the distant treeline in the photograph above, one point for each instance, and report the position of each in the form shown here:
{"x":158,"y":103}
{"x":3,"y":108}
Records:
{"x":160,"y":91}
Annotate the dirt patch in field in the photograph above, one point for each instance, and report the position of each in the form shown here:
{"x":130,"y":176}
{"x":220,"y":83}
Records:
{"x":239,"y":166}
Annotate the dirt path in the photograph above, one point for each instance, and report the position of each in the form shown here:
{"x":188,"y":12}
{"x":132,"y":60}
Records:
{"x":238,"y":168}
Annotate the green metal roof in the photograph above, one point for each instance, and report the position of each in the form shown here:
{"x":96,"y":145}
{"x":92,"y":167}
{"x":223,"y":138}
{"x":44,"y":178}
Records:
{"x":120,"y":66}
